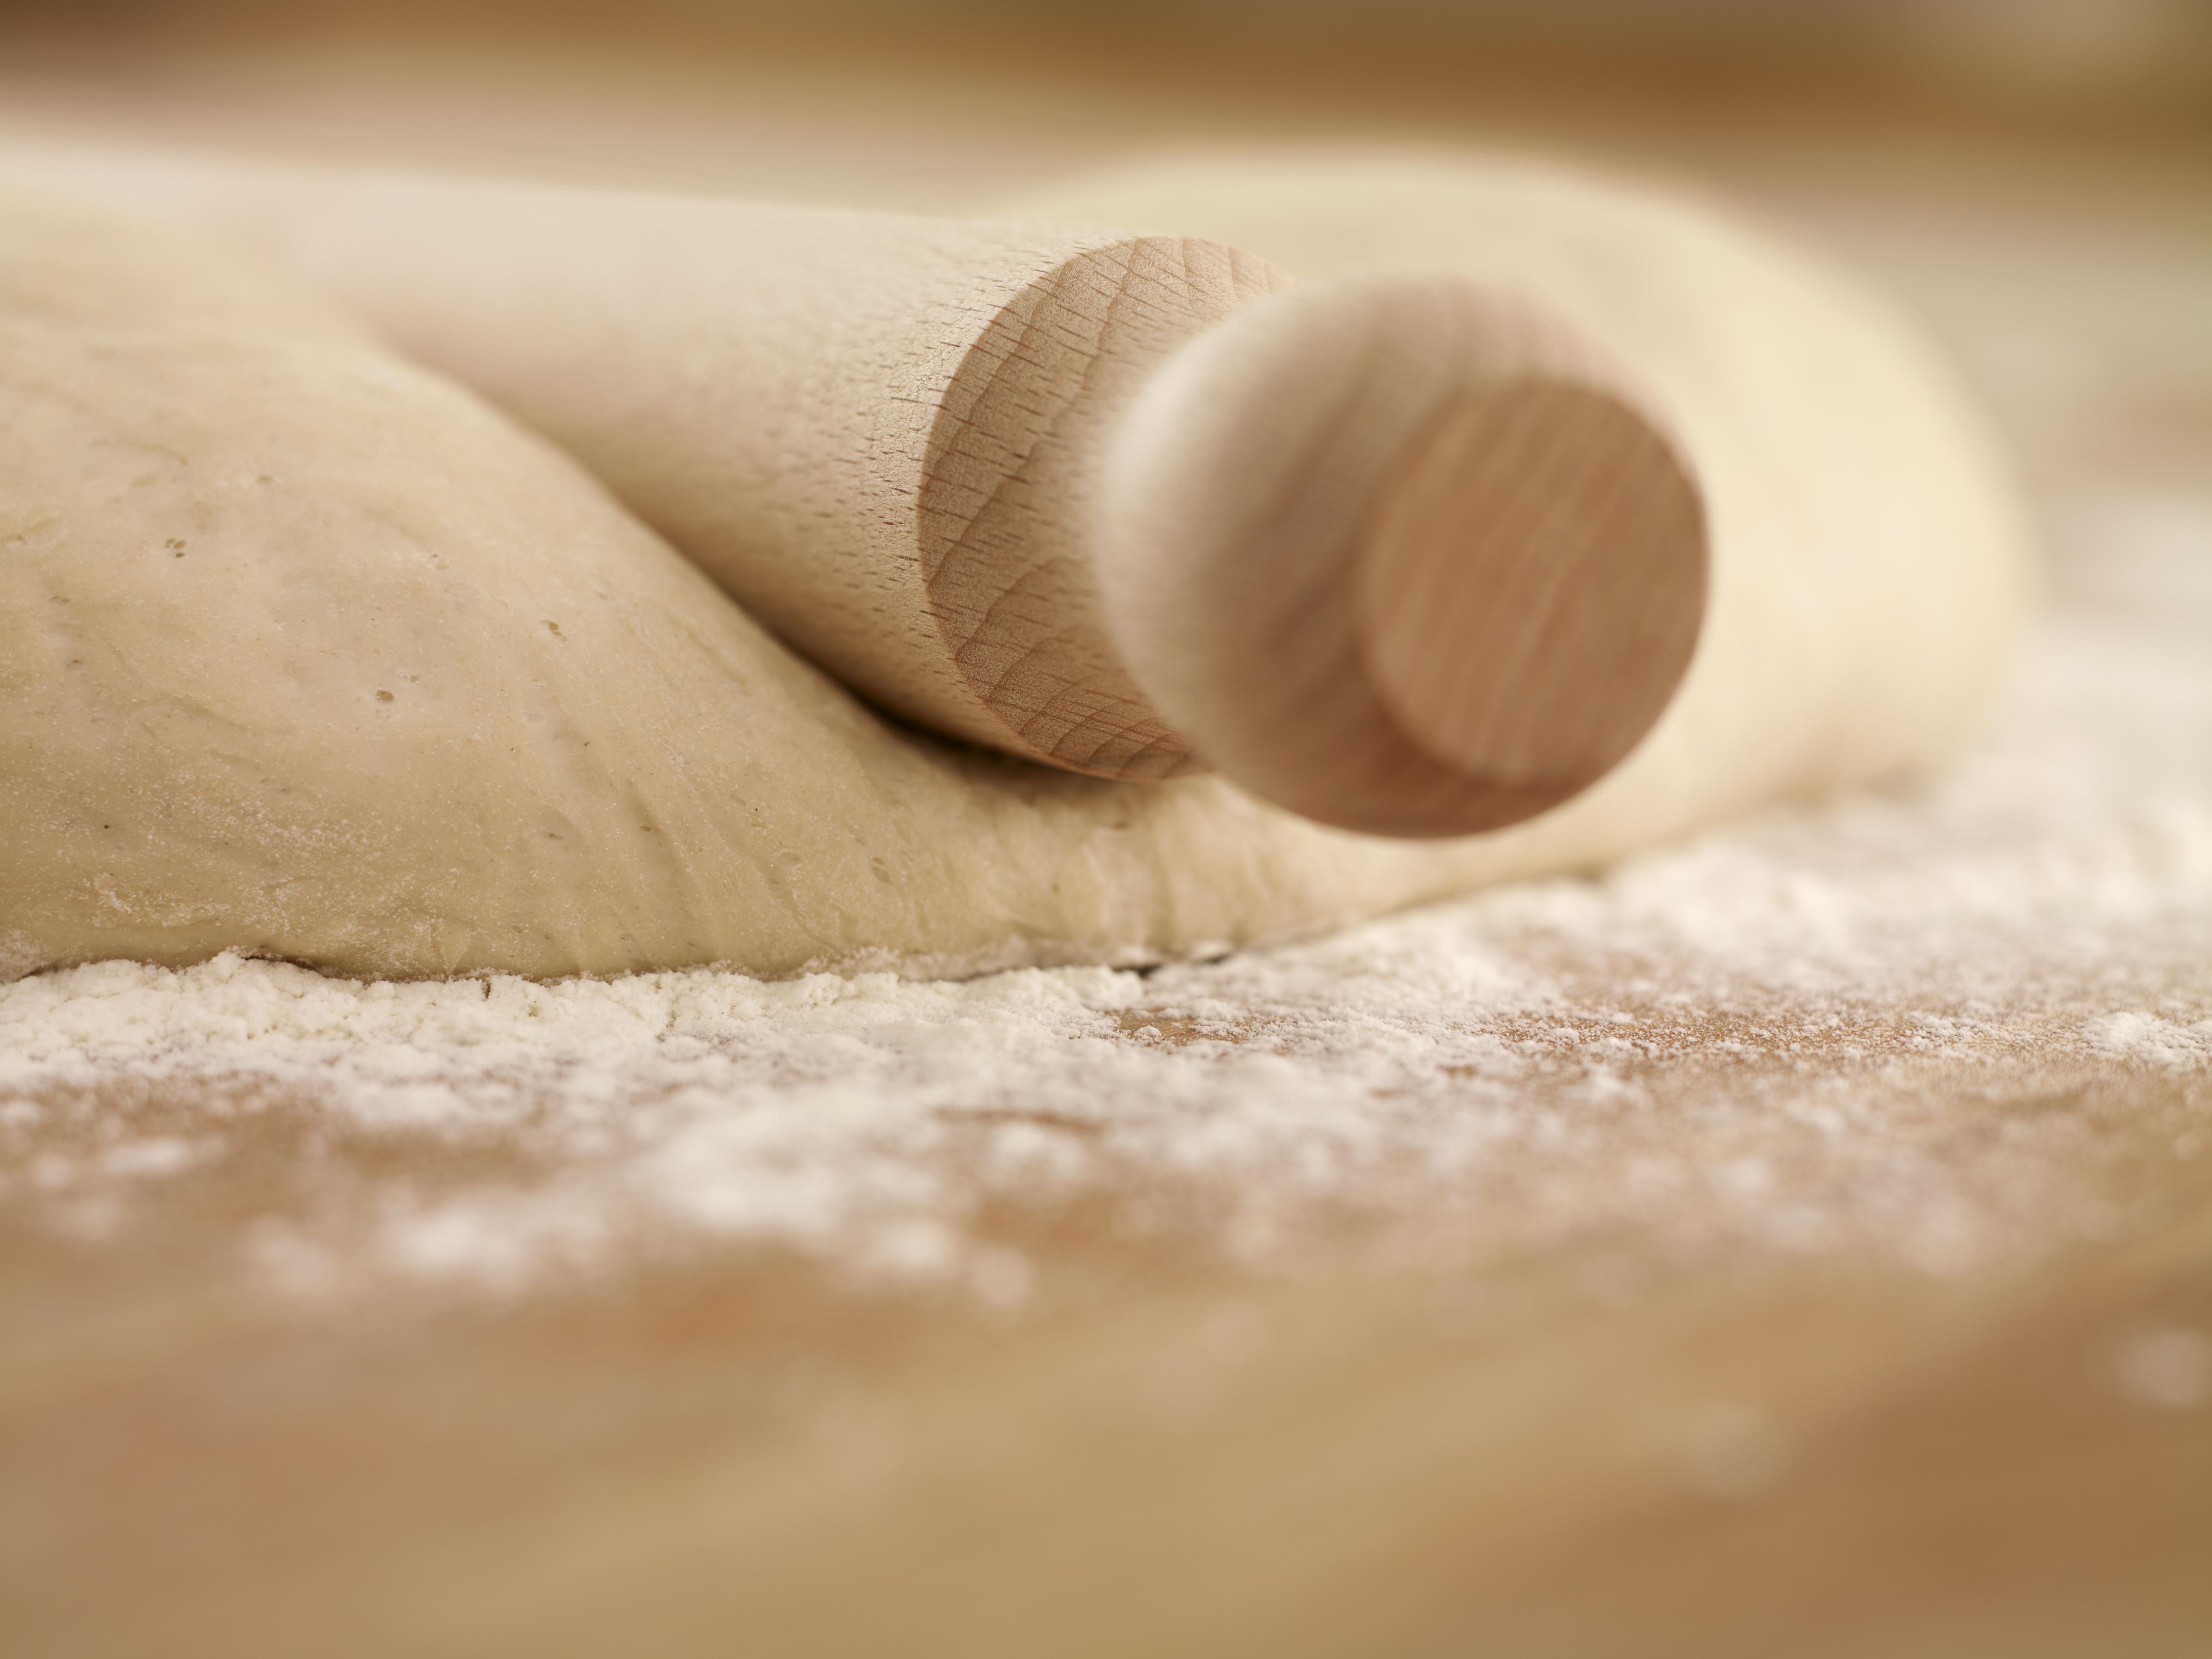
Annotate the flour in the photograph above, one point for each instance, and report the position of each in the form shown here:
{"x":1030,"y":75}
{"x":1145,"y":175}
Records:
{"x":1749,"y":1038}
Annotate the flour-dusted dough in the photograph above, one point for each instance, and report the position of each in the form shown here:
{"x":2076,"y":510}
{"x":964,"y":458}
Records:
{"x":304,"y":651}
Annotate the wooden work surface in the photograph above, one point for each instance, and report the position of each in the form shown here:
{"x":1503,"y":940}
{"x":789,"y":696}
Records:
{"x":1534,"y":1420}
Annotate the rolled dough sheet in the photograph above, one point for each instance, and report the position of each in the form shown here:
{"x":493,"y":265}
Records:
{"x":307,"y":653}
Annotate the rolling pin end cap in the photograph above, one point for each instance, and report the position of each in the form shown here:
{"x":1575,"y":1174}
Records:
{"x":1403,"y":554}
{"x":1530,"y":581}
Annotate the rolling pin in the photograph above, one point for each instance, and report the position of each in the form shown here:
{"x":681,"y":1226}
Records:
{"x":1399,"y":552}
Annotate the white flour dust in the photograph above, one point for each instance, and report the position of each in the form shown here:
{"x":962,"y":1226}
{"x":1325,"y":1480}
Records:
{"x":1765,"y":1034}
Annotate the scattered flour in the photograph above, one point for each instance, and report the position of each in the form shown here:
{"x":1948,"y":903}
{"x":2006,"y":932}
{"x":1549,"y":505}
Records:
{"x":1767,"y":1034}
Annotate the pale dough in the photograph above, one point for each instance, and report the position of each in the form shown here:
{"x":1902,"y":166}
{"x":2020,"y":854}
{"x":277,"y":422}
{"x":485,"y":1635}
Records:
{"x":304,"y":651}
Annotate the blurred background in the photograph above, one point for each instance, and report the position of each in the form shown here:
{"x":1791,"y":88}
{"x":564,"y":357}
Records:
{"x":2137,"y":64}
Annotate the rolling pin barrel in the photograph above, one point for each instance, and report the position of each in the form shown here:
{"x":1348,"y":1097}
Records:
{"x":1399,"y":553}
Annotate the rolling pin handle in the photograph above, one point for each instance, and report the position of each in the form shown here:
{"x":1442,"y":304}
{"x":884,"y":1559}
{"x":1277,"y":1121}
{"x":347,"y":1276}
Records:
{"x":1402,"y":553}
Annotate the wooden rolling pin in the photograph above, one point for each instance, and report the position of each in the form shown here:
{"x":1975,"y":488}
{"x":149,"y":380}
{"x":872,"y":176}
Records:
{"x":1398,"y":552}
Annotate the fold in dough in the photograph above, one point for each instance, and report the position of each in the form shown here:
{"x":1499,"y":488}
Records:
{"x":306,"y":652}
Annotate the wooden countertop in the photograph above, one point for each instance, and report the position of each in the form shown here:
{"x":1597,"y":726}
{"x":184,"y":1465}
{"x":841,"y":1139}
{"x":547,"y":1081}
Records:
{"x":1498,"y":1431}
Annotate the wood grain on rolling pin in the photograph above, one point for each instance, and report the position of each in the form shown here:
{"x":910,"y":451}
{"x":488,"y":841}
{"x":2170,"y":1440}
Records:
{"x":1005,"y":489}
{"x":1401,"y":553}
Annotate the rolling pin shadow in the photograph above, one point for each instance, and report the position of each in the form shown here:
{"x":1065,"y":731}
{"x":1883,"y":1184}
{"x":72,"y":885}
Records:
{"x":1396,"y":551}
